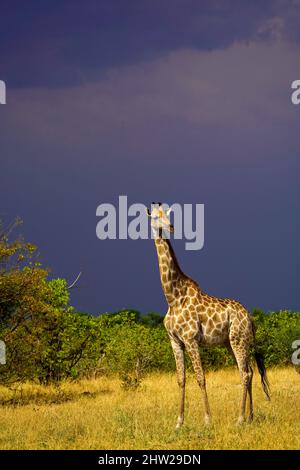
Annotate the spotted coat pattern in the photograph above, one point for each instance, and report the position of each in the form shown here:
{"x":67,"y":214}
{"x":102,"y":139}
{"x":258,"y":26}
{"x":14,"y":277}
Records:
{"x":195,"y":319}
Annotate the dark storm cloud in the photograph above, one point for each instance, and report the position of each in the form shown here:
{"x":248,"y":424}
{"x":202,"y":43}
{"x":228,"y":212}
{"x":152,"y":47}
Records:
{"x":174,"y":101}
{"x":54,"y":43}
{"x":213,"y":127}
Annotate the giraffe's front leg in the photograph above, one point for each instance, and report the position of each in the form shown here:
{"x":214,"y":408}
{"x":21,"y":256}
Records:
{"x":180,"y":367}
{"x":193,"y":351}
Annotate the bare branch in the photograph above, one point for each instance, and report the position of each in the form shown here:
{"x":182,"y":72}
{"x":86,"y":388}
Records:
{"x":74,"y":282}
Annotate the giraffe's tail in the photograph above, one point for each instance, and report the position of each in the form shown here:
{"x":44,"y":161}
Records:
{"x":263,"y":373}
{"x":259,"y":358}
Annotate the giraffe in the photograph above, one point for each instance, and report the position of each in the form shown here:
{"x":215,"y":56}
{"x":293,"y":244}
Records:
{"x":195,"y":319}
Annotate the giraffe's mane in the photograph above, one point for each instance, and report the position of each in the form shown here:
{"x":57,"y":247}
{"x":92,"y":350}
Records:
{"x":174,"y":257}
{"x":177,"y":264}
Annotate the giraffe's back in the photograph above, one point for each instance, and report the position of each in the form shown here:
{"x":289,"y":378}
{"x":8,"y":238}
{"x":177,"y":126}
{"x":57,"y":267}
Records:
{"x":210,"y":319}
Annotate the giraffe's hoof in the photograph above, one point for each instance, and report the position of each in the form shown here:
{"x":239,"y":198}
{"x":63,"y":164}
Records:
{"x":240,"y":420}
{"x":207,"y":420}
{"x":250,"y":418}
{"x":179,"y":424}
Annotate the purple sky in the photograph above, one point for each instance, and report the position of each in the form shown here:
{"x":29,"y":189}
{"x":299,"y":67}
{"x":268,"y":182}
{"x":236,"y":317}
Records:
{"x":181,"y":101}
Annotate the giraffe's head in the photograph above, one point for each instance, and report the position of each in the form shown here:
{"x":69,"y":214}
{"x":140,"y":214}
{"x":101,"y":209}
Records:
{"x":160,"y":218}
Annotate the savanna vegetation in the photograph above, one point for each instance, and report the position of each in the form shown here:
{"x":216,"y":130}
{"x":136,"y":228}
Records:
{"x":74,"y":380}
{"x":99,"y":414}
{"x":48,"y":341}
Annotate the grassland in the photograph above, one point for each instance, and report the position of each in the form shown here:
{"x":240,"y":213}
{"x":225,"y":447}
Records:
{"x":99,"y":414}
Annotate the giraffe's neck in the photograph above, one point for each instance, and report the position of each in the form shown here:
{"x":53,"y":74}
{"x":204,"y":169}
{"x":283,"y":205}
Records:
{"x":170,"y":272}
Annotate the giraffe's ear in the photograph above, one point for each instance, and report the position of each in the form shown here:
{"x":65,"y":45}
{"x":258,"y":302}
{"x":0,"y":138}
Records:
{"x":168,"y":211}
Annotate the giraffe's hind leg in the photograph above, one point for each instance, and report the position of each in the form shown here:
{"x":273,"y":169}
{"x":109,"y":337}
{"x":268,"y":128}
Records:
{"x":249,"y":387}
{"x":250,"y":416}
{"x":241,"y":352}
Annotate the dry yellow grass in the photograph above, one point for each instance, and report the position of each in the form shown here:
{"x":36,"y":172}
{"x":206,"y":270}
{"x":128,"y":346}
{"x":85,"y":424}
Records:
{"x":98,"y":414}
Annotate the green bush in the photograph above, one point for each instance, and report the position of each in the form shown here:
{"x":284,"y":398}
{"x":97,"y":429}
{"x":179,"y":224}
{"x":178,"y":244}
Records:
{"x":48,"y":341}
{"x":67,"y":344}
{"x":275,"y":333}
